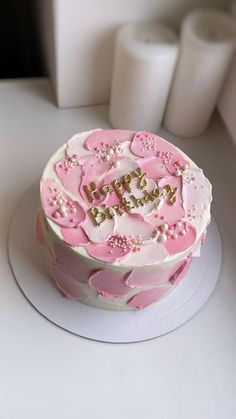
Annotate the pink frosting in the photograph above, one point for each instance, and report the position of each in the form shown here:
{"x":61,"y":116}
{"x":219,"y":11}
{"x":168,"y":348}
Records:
{"x":85,"y":181}
{"x":51,"y":194}
{"x":111,"y":199}
{"x":143,"y":222}
{"x":177,"y":277}
{"x":106,"y":156}
{"x":151,"y":252}
{"x":153,"y":167}
{"x":141,"y":232}
{"x":100,"y":233}
{"x":146,"y":144}
{"x":106,"y":252}
{"x":74,"y":236}
{"x":100,"y":138}
{"x":125,"y":165}
{"x":69,"y":172}
{"x":67,"y":285}
{"x":138,"y":193}
{"x":196,"y":193}
{"x":73,"y":146}
{"x":149,"y":276}
{"x":39,"y":230}
{"x":134,"y":225}
{"x":171,"y":213}
{"x":147,"y":297}
{"x":74,"y":264}
{"x":93,"y":169}
{"x":109,"y":283}
{"x":181,"y":242}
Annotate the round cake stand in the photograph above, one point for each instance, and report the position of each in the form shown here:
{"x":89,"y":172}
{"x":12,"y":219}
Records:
{"x":26,"y":259}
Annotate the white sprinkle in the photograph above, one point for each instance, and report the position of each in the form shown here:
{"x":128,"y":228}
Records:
{"x":162,"y":237}
{"x":178,"y":224}
{"x":175,"y":235}
{"x":183,"y":232}
{"x":110,"y":152}
{"x":63,"y":209}
{"x":164,"y":227}
{"x":178,"y":172}
{"x":116,"y":164}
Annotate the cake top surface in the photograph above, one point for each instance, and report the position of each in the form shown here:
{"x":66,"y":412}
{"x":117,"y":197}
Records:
{"x":125,"y":198}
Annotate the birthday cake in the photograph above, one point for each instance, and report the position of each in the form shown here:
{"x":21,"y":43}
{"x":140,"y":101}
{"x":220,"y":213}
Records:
{"x":121,"y":216}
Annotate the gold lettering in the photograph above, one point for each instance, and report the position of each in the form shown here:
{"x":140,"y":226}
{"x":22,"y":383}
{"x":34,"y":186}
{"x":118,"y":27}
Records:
{"x":105,"y":189}
{"x":96,"y":216}
{"x":108,"y":213}
{"x":156,"y":193}
{"x":171,"y":194}
{"x":137,"y":201}
{"x":120,"y":185}
{"x":167,"y":188}
{"x":147,"y":197}
{"x":118,"y":209}
{"x":172,"y":200}
{"x":93,"y":192}
{"x":117,"y":185}
{"x":142,"y":182}
{"x":126,"y":204}
{"x":126,"y":181}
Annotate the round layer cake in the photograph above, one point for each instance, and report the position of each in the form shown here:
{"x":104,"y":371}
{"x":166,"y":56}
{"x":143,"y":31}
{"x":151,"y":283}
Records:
{"x":122,"y":214}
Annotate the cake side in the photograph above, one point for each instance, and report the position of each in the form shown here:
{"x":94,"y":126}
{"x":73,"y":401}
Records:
{"x":128,"y":210}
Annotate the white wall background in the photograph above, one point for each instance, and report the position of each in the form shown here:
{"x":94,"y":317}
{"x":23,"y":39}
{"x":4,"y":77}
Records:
{"x":80,"y":37}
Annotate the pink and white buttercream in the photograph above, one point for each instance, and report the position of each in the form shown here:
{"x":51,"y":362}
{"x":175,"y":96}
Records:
{"x":124,"y":213}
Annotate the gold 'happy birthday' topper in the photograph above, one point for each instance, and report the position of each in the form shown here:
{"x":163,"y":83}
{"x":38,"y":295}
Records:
{"x":120,"y":186}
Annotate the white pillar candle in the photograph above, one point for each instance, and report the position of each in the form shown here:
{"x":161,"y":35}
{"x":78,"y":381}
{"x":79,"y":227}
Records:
{"x":206,"y":49}
{"x":145,"y":58}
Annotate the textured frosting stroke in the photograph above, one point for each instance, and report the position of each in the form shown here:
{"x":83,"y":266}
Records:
{"x":109,"y":284}
{"x":145,"y":298}
{"x":67,"y":285}
{"x":122,"y":214}
{"x":59,"y":207}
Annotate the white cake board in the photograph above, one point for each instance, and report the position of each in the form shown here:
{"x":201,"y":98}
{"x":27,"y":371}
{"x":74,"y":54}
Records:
{"x":103,"y":325}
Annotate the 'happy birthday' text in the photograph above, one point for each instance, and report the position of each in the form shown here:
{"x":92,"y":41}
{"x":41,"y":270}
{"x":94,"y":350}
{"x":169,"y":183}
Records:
{"x":120,"y":186}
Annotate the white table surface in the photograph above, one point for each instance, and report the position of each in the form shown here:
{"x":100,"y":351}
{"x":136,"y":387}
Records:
{"x":46,"y":372}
